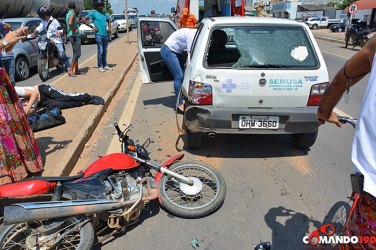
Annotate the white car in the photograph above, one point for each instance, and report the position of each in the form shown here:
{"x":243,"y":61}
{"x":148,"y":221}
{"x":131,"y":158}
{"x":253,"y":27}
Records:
{"x":122,"y":22}
{"x":250,"y":75}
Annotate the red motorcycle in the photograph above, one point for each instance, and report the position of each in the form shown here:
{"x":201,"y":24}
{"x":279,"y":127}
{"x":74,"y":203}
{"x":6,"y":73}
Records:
{"x":106,"y":198}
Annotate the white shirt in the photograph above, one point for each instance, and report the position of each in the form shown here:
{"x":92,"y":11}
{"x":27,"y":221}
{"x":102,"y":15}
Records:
{"x":181,"y":39}
{"x":52,"y":29}
{"x":364,"y":144}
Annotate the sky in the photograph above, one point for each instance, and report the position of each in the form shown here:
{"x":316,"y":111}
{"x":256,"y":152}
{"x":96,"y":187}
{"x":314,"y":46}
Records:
{"x":144,"y":6}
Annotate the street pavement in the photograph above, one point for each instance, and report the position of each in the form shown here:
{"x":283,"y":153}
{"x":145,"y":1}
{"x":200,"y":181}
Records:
{"x":61,"y":146}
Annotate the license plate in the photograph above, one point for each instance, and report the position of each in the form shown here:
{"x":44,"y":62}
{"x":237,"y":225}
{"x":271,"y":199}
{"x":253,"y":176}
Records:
{"x":90,"y":36}
{"x":259,"y":122}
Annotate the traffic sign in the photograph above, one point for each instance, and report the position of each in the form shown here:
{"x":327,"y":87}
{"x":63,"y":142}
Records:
{"x":353,"y":8}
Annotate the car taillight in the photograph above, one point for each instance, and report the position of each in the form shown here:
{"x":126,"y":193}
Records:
{"x":200,"y":93}
{"x":316,"y":92}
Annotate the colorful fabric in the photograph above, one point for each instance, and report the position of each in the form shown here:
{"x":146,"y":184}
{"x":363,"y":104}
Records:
{"x":19,"y":154}
{"x":361,"y":221}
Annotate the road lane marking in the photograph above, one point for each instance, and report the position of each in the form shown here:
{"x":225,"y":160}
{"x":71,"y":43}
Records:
{"x":327,"y":52}
{"x":127,"y":115}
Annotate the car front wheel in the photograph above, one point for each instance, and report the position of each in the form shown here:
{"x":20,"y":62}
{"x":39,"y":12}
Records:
{"x":304,"y":140}
{"x":22,"y":69}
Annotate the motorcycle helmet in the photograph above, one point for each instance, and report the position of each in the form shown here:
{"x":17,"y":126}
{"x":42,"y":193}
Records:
{"x":98,"y":3}
{"x":43,"y":11}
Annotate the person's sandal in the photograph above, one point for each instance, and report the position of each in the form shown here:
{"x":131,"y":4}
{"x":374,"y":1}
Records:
{"x":71,"y":75}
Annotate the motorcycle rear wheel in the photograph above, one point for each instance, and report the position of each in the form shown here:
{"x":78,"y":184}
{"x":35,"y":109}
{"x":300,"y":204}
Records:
{"x":20,"y":236}
{"x":204,"y":198}
{"x":43,"y":69}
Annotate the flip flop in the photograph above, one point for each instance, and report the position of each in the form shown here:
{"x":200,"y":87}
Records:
{"x":71,"y":75}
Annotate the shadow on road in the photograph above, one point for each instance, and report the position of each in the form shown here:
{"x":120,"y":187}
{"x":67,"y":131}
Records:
{"x":289,"y":235}
{"x":247,"y":146}
{"x":167,"y":101}
{"x":47,"y":145}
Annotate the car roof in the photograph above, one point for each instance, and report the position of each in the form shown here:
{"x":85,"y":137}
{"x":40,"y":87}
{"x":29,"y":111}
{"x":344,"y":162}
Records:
{"x":241,"y":20}
{"x":20,"y":19}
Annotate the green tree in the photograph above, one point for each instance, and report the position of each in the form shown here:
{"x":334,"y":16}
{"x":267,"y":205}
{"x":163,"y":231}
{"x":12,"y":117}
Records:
{"x":89,"y":4}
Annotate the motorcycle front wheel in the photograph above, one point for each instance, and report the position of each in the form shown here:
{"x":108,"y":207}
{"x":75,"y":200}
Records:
{"x":50,"y":234}
{"x":43,"y":69}
{"x":203,"y":198}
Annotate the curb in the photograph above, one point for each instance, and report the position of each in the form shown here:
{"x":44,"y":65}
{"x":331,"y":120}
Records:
{"x":330,"y":39}
{"x":95,"y":121}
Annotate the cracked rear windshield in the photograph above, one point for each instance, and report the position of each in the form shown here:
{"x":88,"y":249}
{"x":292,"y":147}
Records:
{"x":244,"y":47}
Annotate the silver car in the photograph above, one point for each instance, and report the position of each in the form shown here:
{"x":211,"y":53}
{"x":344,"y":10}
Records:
{"x":25,"y":51}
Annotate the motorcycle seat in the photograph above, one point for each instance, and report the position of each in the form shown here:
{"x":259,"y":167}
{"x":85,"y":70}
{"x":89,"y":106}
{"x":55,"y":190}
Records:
{"x":54,"y":178}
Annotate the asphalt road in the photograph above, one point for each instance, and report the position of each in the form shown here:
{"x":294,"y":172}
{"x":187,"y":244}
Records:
{"x":87,"y":51}
{"x":275,"y":192}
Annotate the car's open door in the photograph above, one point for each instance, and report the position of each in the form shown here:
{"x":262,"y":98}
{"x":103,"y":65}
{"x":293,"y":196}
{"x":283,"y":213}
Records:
{"x":152,"y":33}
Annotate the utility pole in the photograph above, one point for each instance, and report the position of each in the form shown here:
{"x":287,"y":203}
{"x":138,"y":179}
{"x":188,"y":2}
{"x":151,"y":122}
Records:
{"x":126,"y":18}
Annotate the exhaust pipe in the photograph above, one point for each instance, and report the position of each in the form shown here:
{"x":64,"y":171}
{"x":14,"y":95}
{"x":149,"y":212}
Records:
{"x":34,"y":211}
{"x":211,"y":135}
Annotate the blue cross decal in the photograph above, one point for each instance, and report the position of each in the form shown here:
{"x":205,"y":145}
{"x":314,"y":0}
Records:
{"x":229,"y":86}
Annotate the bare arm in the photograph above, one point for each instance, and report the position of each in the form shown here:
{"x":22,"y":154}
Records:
{"x":32,"y":96}
{"x":354,"y":70}
{"x":71,"y":21}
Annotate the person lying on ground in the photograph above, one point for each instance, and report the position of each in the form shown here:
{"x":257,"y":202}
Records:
{"x":44,"y":95}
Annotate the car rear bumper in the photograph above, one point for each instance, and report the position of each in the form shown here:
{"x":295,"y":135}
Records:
{"x":226,"y":120}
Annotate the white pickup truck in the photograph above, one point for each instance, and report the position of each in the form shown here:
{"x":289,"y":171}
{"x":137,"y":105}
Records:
{"x":320,"y":22}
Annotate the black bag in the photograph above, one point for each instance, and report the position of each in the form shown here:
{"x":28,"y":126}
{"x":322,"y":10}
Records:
{"x":46,"y":117}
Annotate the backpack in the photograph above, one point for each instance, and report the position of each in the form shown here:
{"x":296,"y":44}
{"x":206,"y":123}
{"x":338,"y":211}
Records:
{"x":46,"y":117}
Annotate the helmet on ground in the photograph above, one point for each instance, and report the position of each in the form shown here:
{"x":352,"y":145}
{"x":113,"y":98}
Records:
{"x":98,"y":3}
{"x":43,"y":11}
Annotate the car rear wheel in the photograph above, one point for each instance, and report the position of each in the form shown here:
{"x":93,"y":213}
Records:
{"x":340,"y":30}
{"x":22,"y":69}
{"x":117,"y":33}
{"x":315,"y":26}
{"x":305,"y":140}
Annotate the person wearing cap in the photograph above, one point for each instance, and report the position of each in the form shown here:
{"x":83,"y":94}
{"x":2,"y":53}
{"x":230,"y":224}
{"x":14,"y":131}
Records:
{"x":187,"y":20}
{"x":73,"y":33}
{"x":260,"y":10}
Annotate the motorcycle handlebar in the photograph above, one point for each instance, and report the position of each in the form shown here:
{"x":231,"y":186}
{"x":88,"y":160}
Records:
{"x":120,"y":134}
{"x":344,"y":119}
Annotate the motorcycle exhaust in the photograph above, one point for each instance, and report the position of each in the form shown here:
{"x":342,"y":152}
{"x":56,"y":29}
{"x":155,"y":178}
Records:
{"x":26,"y":212}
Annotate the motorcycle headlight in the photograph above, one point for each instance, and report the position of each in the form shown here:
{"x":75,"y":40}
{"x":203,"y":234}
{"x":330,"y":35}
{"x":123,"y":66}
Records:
{"x":42,"y":45}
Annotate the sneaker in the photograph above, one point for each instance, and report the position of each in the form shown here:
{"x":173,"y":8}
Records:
{"x":108,"y":68}
{"x":101,"y":69}
{"x":96,"y":100}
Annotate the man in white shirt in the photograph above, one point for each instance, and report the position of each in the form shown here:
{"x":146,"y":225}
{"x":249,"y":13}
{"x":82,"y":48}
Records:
{"x":51,"y":26}
{"x":171,"y":52}
{"x":362,"y":219}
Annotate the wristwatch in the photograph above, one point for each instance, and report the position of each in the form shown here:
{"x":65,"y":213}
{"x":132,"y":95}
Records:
{"x":4,"y":42}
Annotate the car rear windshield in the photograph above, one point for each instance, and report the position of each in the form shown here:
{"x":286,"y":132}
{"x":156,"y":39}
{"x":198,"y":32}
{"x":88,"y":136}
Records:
{"x":119,"y":17}
{"x":245,"y":47}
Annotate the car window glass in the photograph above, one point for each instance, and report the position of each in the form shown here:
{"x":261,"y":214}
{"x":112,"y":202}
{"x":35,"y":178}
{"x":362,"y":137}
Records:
{"x":195,"y":39}
{"x":261,"y":47}
{"x":155,"y":33}
{"x":119,"y":17}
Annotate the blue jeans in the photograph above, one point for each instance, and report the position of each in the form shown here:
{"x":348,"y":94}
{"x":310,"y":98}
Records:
{"x":175,"y":64}
{"x":63,"y":56}
{"x":102,"y":44}
{"x":8,"y":63}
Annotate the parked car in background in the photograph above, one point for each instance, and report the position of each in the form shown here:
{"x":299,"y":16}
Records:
{"x":246,"y":76}
{"x":122,"y":22}
{"x":87,"y":33}
{"x":320,"y":22}
{"x":25,"y":51}
{"x":133,"y":18}
{"x":114,"y":28}
{"x":339,"y":27}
